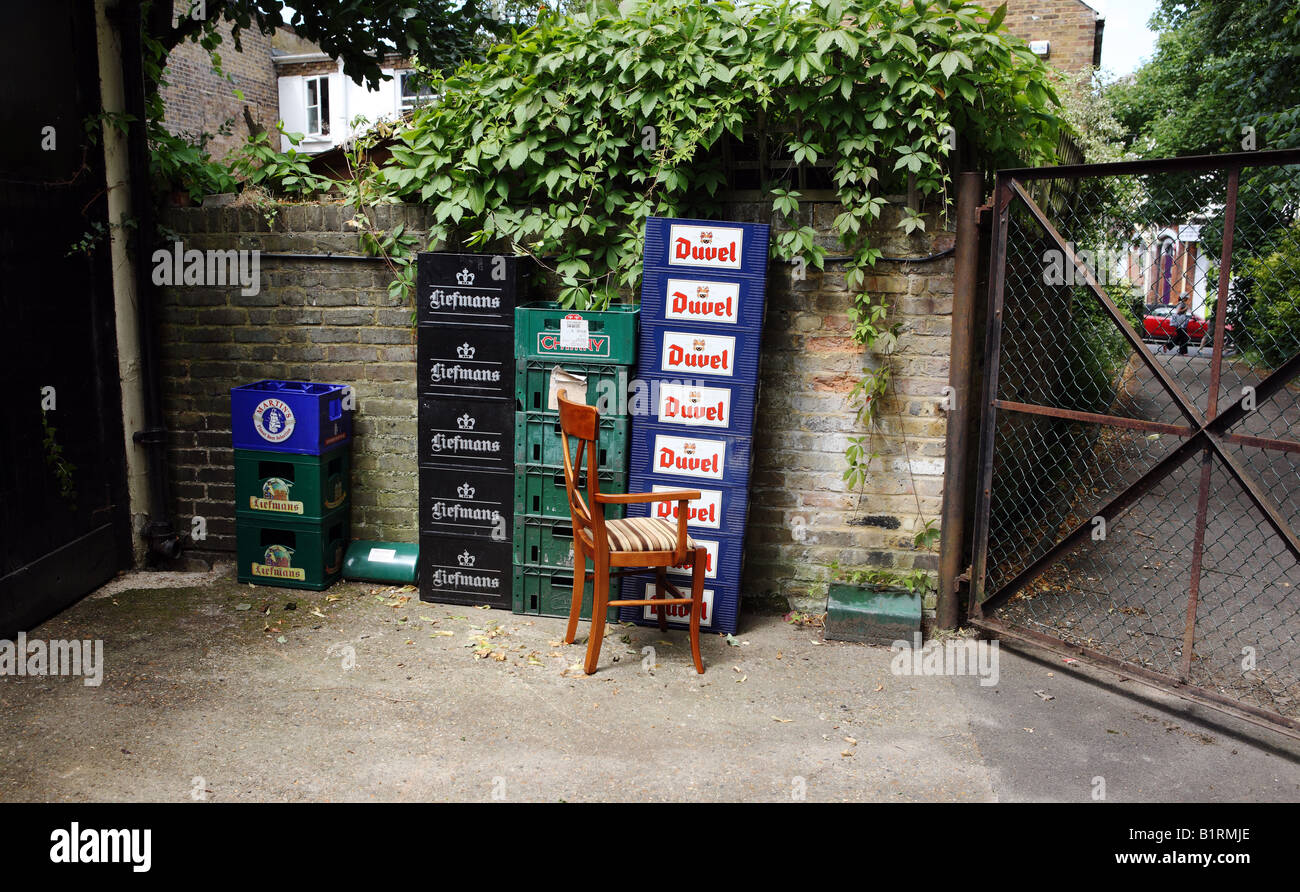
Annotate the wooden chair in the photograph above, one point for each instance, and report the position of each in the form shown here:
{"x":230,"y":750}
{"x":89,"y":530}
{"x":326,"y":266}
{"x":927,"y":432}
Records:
{"x":633,"y":543}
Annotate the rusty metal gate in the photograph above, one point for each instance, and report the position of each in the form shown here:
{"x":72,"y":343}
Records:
{"x":1138,"y":500}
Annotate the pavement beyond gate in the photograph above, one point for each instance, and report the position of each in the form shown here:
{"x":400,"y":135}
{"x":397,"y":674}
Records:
{"x":222,"y":690}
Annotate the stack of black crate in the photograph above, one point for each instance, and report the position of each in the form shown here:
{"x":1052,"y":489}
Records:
{"x":465,"y":369}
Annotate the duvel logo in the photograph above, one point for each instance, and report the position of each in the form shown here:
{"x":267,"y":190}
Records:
{"x":273,"y":420}
{"x":719,"y":247}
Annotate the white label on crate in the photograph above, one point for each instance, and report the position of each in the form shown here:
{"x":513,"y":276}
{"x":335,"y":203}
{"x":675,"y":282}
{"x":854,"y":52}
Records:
{"x":698,"y":354}
{"x":690,"y":456}
{"x":702,"y":301}
{"x":694,"y":406}
{"x":273,"y":420}
{"x":710,"y":562}
{"x":679,"y":613}
{"x":573,"y":333}
{"x":719,"y":247}
{"x":383,"y":554}
{"x":706,"y":511}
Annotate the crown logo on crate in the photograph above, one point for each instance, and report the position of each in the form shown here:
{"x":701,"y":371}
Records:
{"x":464,"y":277}
{"x":465,"y":491}
{"x":465,"y":559}
{"x":465,"y":351}
{"x":465,"y":422}
{"x":688,"y":448}
{"x":698,"y":345}
{"x":706,"y":238}
{"x":702,"y":291}
{"x":693,"y":396}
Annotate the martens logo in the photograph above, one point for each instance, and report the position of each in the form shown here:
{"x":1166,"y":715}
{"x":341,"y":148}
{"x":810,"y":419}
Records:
{"x":277,"y":563}
{"x":274,"y":420}
{"x":694,"y":406}
{"x":699,"y":353}
{"x":690,"y":457}
{"x":680,"y":613}
{"x":275,"y":497}
{"x":706,"y":511}
{"x":695,"y":301}
{"x":719,"y":247}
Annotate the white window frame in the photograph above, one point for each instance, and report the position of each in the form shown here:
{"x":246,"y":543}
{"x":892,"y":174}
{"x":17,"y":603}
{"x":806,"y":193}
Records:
{"x":322,"y":82}
{"x":418,"y":100}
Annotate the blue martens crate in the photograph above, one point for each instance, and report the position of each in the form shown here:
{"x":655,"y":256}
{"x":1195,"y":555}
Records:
{"x":681,"y":351}
{"x":720,"y":510}
{"x":610,"y":335}
{"x":702,"y":301}
{"x":290,"y":416}
{"x":463,"y":570}
{"x":720,"y":247}
{"x":702,"y":457}
{"x":703,"y":405}
{"x":466,"y":289}
{"x":473,"y":503}
{"x":466,"y":433}
{"x":721,"y":605}
{"x":456,"y":361}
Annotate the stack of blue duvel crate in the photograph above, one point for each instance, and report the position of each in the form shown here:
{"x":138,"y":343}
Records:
{"x":292,"y":444}
{"x":465,"y":369}
{"x":702,"y":304}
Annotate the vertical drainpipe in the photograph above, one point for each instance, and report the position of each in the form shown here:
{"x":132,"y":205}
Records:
{"x":113,"y":101}
{"x":952,"y":544}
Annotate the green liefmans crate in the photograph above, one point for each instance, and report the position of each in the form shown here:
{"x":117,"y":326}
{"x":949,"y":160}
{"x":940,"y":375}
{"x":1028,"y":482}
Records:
{"x":539,"y":491}
{"x":548,"y":591}
{"x":607,"y":385}
{"x":292,"y":553}
{"x":537,"y":441}
{"x":611,"y":334}
{"x":283,"y":484}
{"x":544,"y":542}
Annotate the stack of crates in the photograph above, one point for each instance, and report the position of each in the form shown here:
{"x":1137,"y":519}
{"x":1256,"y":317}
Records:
{"x":465,"y":368}
{"x":702,"y":310}
{"x":598,"y":346}
{"x":292,"y":444}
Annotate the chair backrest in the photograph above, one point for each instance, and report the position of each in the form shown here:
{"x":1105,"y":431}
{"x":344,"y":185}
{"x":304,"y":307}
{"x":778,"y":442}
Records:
{"x":582,"y":423}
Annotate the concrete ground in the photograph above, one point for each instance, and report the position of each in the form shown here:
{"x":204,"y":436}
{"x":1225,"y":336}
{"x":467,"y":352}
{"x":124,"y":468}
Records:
{"x":219,"y":690}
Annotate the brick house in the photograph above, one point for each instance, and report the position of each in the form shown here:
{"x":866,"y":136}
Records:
{"x":1067,"y":33}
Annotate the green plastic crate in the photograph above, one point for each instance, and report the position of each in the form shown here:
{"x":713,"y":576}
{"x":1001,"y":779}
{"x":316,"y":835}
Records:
{"x":611,"y":334}
{"x":548,"y":591}
{"x":544,"y":541}
{"x":284,"y":484}
{"x":607,"y":385}
{"x":292,"y":553}
{"x":537,"y":441}
{"x":539,"y":491}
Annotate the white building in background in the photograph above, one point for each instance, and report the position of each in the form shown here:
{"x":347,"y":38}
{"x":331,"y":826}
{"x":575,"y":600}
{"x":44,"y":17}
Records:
{"x":328,"y":108}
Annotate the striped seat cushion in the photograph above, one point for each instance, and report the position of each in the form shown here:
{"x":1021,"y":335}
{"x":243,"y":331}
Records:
{"x":643,"y":534}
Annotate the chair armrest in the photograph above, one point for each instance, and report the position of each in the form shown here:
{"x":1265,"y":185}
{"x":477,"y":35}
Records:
{"x":618,"y":498}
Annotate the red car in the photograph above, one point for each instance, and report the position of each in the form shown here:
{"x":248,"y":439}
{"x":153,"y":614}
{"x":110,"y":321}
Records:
{"x":1157,"y":327}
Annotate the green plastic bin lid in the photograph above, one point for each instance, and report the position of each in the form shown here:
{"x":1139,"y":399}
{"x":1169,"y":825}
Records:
{"x":370,"y":559}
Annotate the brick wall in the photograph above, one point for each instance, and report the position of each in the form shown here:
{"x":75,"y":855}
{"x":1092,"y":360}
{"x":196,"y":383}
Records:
{"x":1070,"y":25}
{"x":197,"y":100}
{"x":332,"y":320}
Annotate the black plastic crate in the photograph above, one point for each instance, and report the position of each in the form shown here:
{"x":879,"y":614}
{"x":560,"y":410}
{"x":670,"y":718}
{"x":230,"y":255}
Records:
{"x":465,"y":570}
{"x":462,"y":361}
{"x":467,"y":289}
{"x":466,"y":433}
{"x":467,"y":503}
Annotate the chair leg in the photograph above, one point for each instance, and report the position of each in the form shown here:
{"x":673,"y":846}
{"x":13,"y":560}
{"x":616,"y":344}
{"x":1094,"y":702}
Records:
{"x":697,"y":605}
{"x":575,"y":605}
{"x":660,"y":594}
{"x":599,"y":597}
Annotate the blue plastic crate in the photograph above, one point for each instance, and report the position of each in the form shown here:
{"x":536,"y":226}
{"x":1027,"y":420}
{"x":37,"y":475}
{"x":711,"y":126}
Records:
{"x":703,"y":405}
{"x":289,"y":416}
{"x":712,"y":245}
{"x":705,"y":300}
{"x":721,"y":606}
{"x":683,"y":351}
{"x":720,"y":510}
{"x":703,"y":457}
{"x":726,"y":554}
